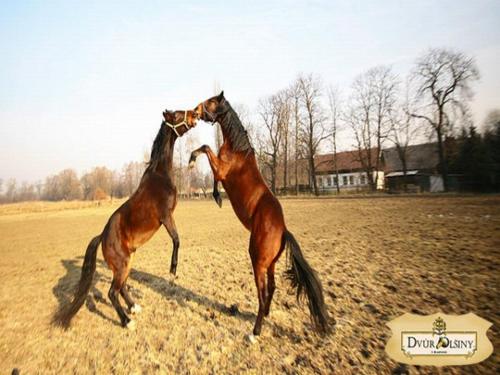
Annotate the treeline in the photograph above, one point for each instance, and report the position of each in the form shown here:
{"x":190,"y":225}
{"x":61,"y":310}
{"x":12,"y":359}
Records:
{"x":379,"y":110}
{"x":98,"y":184}
{"x":476,"y":157}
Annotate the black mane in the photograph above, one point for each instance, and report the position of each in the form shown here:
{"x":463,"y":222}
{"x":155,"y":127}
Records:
{"x":158,"y":148}
{"x":234,"y":129}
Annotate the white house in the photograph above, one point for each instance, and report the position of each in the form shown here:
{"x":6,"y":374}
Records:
{"x":352,"y":175}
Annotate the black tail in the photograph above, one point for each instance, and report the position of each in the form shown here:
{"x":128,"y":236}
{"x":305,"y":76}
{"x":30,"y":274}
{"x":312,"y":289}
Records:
{"x":304,"y":278}
{"x":65,"y":314}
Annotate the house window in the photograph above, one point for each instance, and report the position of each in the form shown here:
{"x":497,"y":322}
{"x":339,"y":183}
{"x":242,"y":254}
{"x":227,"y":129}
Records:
{"x":320,"y":181}
{"x":328,"y":181}
{"x":351,"y":180}
{"x":344,"y":180}
{"x":335,"y":182}
{"x":363,"y":179}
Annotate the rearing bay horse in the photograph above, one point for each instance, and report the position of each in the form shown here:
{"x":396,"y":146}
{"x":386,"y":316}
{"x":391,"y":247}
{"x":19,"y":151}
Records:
{"x":259,"y":211}
{"x":135,"y":222}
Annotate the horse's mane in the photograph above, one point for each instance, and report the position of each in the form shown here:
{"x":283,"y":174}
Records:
{"x":237,"y":134}
{"x":157,"y":149}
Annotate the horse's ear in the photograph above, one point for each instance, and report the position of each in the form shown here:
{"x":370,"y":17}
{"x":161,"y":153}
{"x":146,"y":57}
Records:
{"x":221,"y":96}
{"x":166,"y":113}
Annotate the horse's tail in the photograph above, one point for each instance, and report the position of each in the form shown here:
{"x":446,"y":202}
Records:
{"x":65,"y":314}
{"x":305,"y":279}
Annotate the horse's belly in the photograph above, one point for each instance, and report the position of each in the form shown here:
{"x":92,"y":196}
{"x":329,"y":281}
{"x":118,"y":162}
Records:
{"x":141,"y":237}
{"x":140,"y":229}
{"x":243,"y":204}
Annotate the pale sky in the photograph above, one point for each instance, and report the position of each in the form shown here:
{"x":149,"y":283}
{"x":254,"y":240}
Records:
{"x":84,"y":84}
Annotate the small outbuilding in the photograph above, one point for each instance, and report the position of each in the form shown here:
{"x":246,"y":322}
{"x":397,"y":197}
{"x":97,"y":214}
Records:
{"x":422,"y":175}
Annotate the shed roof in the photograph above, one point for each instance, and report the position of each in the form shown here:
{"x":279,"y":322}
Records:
{"x":419,"y":157}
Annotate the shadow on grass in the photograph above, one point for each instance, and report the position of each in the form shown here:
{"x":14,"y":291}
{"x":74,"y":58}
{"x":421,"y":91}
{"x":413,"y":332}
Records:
{"x":67,"y":284}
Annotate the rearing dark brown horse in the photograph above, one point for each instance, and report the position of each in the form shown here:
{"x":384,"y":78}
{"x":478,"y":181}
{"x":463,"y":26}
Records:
{"x":259,"y":211}
{"x":135,"y":222}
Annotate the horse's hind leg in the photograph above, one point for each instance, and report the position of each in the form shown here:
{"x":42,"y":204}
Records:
{"x":260,"y":282}
{"x":132,"y":306}
{"x":113,"y":296}
{"x":121,"y":269}
{"x":265,"y":247}
{"x":271,"y":286}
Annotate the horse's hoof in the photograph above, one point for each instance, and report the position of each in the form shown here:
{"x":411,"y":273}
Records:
{"x":252,"y":339}
{"x":136,"y":309}
{"x":218,"y":200}
{"x":131,"y":325}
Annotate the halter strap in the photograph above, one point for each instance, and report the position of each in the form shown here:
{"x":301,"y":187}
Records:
{"x":212,"y":115}
{"x":175,"y":126}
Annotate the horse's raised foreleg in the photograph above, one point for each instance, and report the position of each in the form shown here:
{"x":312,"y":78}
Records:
{"x":219,"y":168}
{"x":169,"y":225}
{"x":216,"y":194}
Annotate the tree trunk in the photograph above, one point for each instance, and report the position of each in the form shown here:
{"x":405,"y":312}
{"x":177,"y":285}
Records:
{"x":402,"y":157}
{"x":443,"y":165}
{"x":285,"y":166}
{"x":369,"y":175}
{"x":312,"y":170}
{"x":296,"y":147}
{"x":312,"y":167}
{"x":273,"y":174}
{"x":335,"y":163}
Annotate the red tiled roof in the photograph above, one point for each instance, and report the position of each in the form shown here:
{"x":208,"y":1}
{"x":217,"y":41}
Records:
{"x":346,"y":161}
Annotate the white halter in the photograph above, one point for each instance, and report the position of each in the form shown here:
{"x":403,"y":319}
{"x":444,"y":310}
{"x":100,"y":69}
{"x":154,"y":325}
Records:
{"x":175,"y":126}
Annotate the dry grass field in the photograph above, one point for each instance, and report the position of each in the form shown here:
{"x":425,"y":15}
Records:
{"x":377,"y":259}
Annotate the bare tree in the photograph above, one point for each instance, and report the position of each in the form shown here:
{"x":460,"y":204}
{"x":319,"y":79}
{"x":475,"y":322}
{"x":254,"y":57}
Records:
{"x":369,"y":115}
{"x":97,"y":184}
{"x":270,"y":116}
{"x":334,"y":101}
{"x":294,"y":93}
{"x":11,"y":191}
{"x":65,"y":185}
{"x":313,"y":132}
{"x":284,"y":119}
{"x":51,"y":189}
{"x":490,"y":122}
{"x":200,"y":180}
{"x":131,"y":177}
{"x":444,"y":86}
{"x":27,"y":192}
{"x":403,"y":129}
{"x":39,"y":189}
{"x":70,"y":185}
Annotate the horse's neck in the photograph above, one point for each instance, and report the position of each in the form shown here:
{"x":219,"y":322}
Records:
{"x":166,"y":163}
{"x":225,"y":124}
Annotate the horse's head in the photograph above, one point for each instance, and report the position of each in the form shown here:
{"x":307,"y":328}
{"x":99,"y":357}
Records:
{"x":180,"y":121}
{"x":212,"y":108}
